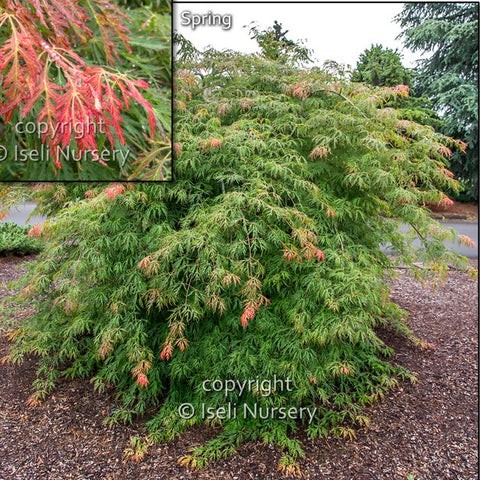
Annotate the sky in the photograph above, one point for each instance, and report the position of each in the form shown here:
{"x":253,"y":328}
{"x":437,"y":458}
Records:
{"x":335,"y":31}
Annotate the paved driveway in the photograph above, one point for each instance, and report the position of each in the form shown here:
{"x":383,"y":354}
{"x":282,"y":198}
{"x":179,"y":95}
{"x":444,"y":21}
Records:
{"x":470,"y":229}
{"x":20,"y":215}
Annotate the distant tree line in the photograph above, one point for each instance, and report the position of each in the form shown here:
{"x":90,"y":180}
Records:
{"x":445,"y":81}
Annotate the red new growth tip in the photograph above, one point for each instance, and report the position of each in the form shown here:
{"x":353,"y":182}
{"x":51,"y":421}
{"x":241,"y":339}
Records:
{"x":144,"y":263}
{"x":214,"y":142}
{"x":444,"y":151}
{"x":166,"y":352}
{"x":35,"y":231}
{"x":114,"y":190}
{"x":177,"y":149}
{"x":300,"y":90}
{"x":142,"y":380}
{"x":318,"y":152}
{"x":446,"y":202}
{"x":248,"y":314}
{"x":466,"y":241}
{"x":402,"y":90}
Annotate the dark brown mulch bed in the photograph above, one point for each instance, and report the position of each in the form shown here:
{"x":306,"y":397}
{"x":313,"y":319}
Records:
{"x":460,"y":210}
{"x":427,"y":430}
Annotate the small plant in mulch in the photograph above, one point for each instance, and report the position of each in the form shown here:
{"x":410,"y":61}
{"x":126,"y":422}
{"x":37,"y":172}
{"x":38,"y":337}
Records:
{"x":18,"y":240}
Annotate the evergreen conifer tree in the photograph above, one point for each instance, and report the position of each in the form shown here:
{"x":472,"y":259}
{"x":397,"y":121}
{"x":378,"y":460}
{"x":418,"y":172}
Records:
{"x":447,"y":34}
{"x":381,"y":66}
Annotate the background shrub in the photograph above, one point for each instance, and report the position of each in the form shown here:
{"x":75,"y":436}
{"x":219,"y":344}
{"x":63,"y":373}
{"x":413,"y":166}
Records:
{"x":14,"y":240}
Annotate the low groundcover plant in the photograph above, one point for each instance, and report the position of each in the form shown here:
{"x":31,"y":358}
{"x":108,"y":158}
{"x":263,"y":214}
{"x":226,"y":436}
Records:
{"x":14,"y":240}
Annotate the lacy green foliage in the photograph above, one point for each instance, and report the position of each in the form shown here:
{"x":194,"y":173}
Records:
{"x":381,"y":66}
{"x":417,"y":109}
{"x":261,"y":259}
{"x":15,"y":241}
{"x":449,"y":75}
{"x":160,"y":6}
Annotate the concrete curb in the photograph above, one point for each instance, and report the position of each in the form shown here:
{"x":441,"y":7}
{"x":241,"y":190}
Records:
{"x":454,"y":216}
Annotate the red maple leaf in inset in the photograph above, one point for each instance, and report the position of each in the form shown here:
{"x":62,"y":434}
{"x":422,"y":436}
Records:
{"x":88,"y":97}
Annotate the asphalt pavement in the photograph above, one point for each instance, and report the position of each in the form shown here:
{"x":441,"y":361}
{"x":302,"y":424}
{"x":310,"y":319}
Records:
{"x":468,"y":228}
{"x":20,"y":215}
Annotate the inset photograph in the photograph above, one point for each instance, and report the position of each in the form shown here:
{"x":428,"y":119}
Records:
{"x":85,"y":90}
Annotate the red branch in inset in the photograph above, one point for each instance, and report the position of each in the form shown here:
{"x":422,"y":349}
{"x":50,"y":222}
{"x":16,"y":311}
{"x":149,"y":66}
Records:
{"x":83,"y":100}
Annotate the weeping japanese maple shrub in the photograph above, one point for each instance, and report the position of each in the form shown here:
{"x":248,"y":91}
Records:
{"x":262,"y":260}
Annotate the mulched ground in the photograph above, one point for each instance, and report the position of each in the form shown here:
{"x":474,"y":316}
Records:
{"x":459,"y":210}
{"x":422,"y":431}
